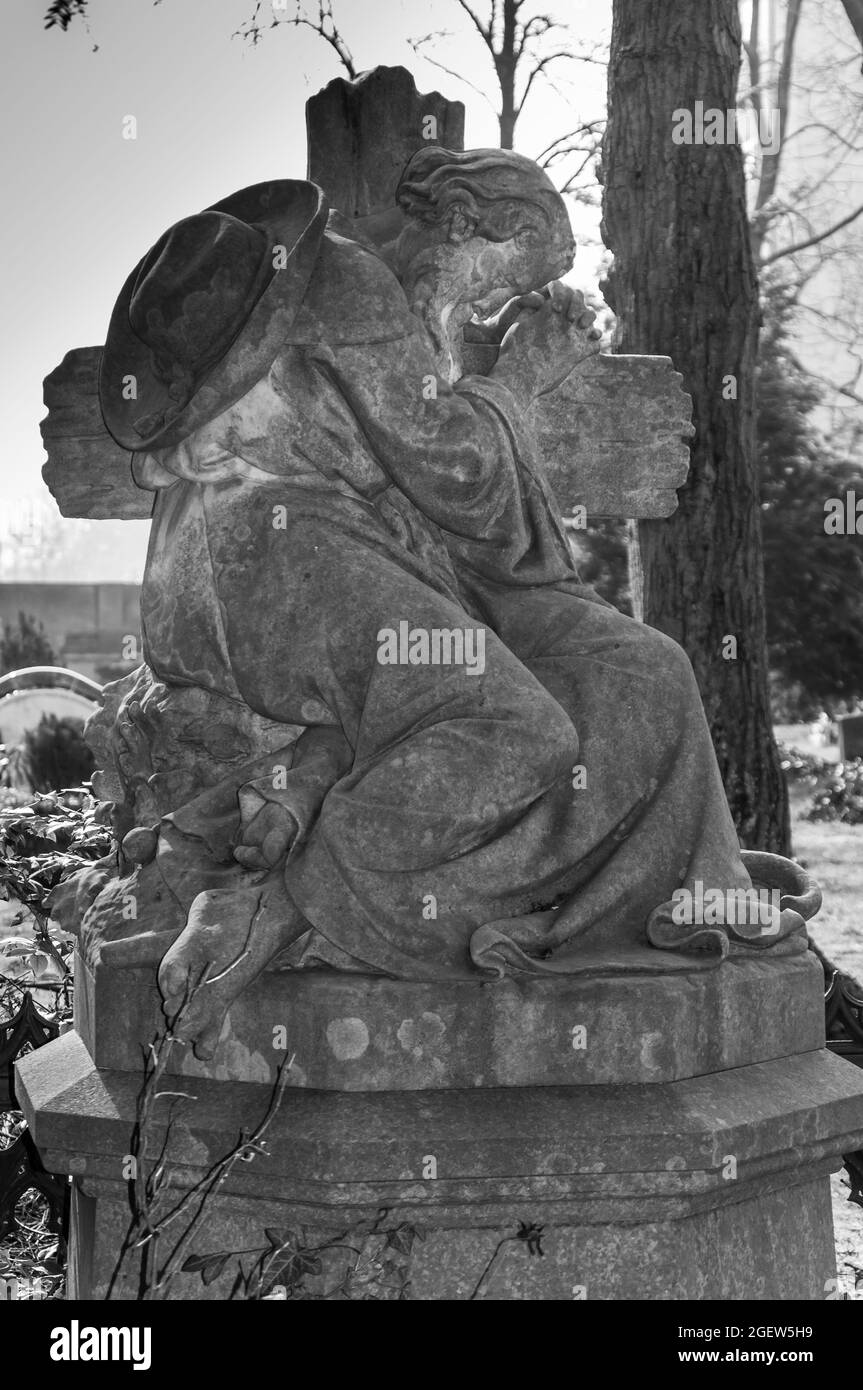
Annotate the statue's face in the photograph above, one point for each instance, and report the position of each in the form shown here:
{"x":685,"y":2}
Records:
{"x":450,"y":274}
{"x":448,"y":258}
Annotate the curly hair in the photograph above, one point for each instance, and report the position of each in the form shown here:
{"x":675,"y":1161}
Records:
{"x":509,"y":192}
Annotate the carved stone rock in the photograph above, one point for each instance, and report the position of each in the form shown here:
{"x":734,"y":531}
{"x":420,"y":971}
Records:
{"x":355,"y":156}
{"x":89,"y":475}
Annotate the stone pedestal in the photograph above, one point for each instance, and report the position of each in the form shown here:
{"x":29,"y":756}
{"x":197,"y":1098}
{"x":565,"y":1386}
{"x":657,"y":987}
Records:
{"x":656,"y":1137}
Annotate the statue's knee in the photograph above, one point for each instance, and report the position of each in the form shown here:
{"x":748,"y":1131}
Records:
{"x":558,"y":739}
{"x":670,"y":663}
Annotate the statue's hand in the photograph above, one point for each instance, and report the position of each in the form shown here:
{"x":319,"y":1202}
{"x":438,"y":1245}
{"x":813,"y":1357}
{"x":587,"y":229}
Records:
{"x":494,"y":329}
{"x":543,"y":344}
{"x":266,"y":838}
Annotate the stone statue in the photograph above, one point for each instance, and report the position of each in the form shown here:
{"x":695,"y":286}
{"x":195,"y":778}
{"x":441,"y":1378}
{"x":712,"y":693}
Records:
{"x":382,"y":726}
{"x":408,"y":819}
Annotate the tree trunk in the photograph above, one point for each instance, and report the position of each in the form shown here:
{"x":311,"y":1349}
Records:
{"x":684,"y":284}
{"x":505,"y":64}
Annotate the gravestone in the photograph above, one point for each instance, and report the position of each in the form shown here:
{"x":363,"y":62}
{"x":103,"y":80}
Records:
{"x":627,"y":1114}
{"x":850,"y":737}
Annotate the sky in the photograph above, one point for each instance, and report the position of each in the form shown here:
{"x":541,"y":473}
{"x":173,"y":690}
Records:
{"x":213,"y":115}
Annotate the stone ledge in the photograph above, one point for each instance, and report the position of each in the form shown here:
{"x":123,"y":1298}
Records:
{"x":358,"y":1033}
{"x":624,"y":1153}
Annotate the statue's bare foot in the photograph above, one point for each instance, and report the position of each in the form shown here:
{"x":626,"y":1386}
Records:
{"x":231,"y":935}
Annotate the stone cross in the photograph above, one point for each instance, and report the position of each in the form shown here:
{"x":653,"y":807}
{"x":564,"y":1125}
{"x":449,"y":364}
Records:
{"x":612,"y":435}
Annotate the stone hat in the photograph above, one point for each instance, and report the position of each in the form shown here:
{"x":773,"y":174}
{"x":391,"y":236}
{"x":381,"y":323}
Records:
{"x":201,"y":318}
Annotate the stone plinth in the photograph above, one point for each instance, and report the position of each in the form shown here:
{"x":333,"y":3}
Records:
{"x":673,"y":1186}
{"x":359,"y":1033}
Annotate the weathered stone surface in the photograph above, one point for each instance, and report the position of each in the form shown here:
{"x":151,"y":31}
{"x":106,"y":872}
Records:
{"x":356,"y":156}
{"x":329,"y":474}
{"x":355,"y":1033}
{"x":613,"y":437}
{"x":732,"y":1166}
{"x":728,"y":1254}
{"x":87,"y":472}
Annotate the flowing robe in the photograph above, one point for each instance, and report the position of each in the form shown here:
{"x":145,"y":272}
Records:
{"x":448,"y":821}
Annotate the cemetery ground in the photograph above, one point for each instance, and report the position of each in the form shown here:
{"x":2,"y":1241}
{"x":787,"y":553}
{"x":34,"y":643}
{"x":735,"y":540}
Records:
{"x":832,"y":851}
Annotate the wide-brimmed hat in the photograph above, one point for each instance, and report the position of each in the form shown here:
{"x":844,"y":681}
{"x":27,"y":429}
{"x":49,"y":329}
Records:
{"x":200,"y":320}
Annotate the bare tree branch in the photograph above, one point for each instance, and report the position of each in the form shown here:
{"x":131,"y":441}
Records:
{"x":753,"y":55}
{"x":771,"y":162}
{"x":487,"y":34}
{"x":538,"y":68}
{"x":564,"y":144}
{"x":813,"y":240}
{"x":325,"y":26}
{"x":416,"y":45}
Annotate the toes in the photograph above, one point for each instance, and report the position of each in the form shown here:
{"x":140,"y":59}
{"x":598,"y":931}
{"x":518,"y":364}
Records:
{"x":208,"y":1040}
{"x":275,"y":846}
{"x":170,"y":1008}
{"x":250,"y":858}
{"x":173,"y":977}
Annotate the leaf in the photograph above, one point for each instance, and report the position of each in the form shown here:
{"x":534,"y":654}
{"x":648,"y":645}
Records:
{"x":293,"y":1269}
{"x":193,"y":1264}
{"x":401,"y":1239}
{"x":208,"y":1266}
{"x":214,"y":1268}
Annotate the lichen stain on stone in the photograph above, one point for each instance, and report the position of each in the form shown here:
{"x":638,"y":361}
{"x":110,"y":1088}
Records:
{"x":419,"y":1036}
{"x":297,"y":1075}
{"x":194,"y":1150}
{"x":649,"y":1042}
{"x":348,"y":1038}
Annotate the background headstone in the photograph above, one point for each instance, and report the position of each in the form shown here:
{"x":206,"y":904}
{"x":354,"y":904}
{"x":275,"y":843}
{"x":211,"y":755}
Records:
{"x":850,"y":737}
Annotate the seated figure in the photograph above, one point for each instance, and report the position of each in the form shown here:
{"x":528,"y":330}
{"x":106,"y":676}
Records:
{"x":382,"y":725}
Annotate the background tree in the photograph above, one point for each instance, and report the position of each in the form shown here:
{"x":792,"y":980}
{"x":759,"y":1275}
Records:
{"x":802,"y":84}
{"x":319,"y":18}
{"x":683,"y":282}
{"x":54,"y":754}
{"x":524,"y":43}
{"x":813,"y":580}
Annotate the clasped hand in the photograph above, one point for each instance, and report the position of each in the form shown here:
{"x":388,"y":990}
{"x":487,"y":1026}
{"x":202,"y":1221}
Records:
{"x":543,"y":335}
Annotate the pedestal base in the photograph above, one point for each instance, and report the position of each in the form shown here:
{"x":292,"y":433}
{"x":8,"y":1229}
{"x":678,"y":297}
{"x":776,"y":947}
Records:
{"x":711,"y":1187}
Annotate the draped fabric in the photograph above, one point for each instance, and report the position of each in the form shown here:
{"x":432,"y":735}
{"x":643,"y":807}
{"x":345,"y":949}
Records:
{"x":445,"y":820}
